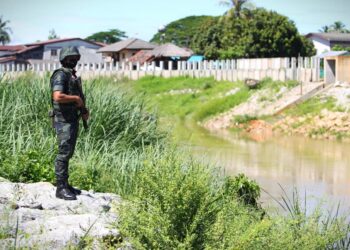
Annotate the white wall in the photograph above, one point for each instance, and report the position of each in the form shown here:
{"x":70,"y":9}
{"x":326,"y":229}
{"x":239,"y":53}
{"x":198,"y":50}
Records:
{"x":87,"y":50}
{"x":321,"y":45}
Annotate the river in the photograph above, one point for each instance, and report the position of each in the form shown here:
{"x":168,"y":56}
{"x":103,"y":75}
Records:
{"x":318,"y":168}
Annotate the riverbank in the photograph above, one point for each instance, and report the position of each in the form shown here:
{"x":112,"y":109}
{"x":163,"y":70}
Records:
{"x":170,"y":199}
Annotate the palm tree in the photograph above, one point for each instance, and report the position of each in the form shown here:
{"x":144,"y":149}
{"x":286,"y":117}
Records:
{"x":325,"y":29}
{"x":339,"y":27}
{"x":4,"y":32}
{"x":236,"y":6}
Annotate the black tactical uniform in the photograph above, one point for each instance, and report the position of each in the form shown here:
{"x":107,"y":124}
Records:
{"x":66,"y":122}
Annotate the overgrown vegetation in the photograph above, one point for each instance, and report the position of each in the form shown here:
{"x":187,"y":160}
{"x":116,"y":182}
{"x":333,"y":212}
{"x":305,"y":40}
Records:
{"x":171,"y":201}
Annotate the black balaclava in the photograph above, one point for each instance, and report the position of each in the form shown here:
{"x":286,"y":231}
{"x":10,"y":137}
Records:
{"x":70,"y":62}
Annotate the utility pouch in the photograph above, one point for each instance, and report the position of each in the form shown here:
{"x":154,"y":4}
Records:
{"x":52,"y":117}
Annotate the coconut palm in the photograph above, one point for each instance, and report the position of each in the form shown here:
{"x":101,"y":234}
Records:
{"x":325,"y":29}
{"x":339,"y":27}
{"x":236,"y":6}
{"x":4,"y":32}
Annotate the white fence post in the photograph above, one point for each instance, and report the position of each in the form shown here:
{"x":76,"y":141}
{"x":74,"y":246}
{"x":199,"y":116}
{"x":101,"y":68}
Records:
{"x":138,"y":66}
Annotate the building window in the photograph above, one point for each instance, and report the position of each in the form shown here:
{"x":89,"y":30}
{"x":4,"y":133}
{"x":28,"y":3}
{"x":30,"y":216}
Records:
{"x":54,"y":52}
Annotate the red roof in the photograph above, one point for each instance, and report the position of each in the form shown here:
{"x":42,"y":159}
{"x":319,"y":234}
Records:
{"x":7,"y":59}
{"x":12,"y":47}
{"x":142,"y":56}
{"x":27,"y":49}
{"x":61,"y":40}
{"x":100,"y":43}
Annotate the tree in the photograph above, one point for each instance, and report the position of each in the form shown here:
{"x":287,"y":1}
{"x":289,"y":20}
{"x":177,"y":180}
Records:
{"x":52,"y":35}
{"x":4,"y":31}
{"x":264,"y":34}
{"x":108,"y":37}
{"x":180,"y":32}
{"x":325,"y":29}
{"x":339,"y":26}
{"x":236,"y":7}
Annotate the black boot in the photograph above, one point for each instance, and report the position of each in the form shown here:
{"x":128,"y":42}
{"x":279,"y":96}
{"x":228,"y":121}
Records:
{"x":63,"y":192}
{"x":74,"y":190}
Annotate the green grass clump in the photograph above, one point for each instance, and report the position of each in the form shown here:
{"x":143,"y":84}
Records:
{"x":275,"y":86}
{"x":221,"y":105}
{"x":180,"y":204}
{"x":313,"y":106}
{"x":208,"y":100}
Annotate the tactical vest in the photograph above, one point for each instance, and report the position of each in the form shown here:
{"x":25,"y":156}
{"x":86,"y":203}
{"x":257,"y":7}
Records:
{"x":72,"y":86}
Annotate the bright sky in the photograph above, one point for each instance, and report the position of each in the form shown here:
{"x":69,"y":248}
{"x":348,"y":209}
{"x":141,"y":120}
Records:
{"x":31,"y":20}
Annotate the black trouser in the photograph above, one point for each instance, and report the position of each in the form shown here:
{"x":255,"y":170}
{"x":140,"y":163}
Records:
{"x":67,"y":133}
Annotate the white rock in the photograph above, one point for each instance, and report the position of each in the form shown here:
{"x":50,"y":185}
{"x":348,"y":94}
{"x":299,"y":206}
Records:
{"x":54,"y":223}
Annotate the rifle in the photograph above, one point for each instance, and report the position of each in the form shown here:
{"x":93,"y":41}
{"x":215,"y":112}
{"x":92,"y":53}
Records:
{"x":83,"y":110}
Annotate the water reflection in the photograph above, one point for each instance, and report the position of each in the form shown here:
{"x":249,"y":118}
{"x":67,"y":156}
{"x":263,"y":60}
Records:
{"x":319,"y":167}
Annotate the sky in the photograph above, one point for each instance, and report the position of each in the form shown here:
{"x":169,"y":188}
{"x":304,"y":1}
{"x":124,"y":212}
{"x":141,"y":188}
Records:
{"x":31,"y":20}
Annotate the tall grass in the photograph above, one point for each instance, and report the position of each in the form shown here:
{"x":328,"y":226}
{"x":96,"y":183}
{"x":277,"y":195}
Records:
{"x":106,"y":155}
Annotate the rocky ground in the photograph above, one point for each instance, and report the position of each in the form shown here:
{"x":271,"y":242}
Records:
{"x":32,"y":217}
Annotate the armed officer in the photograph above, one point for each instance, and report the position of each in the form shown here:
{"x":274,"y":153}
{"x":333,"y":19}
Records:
{"x":68,"y":103}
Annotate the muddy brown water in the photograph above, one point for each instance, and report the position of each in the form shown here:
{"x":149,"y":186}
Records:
{"x":318,"y":168}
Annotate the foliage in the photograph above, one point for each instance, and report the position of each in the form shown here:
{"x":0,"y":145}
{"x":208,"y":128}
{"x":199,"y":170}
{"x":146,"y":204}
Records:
{"x":338,"y":27}
{"x":246,"y":190}
{"x":181,"y":32}
{"x":4,"y":31}
{"x":260,"y":33}
{"x":243,"y":119}
{"x":176,"y":203}
{"x":205,"y":96}
{"x":220,"y":105}
{"x":313,"y":106}
{"x":236,"y":7}
{"x":340,"y":48}
{"x":52,"y":35}
{"x":108,"y":37}
{"x":181,"y":205}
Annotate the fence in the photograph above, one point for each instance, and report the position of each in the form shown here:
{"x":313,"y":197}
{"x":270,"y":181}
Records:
{"x":300,"y":69}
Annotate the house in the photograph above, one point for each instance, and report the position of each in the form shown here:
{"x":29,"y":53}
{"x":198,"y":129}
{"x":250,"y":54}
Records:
{"x":48,"y":51}
{"x":122,"y":51}
{"x":166,"y":52}
{"x":324,"y":42}
{"x":337,"y":66}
